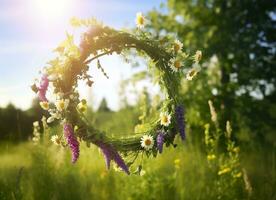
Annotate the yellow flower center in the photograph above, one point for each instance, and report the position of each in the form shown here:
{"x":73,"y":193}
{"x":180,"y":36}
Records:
{"x":57,"y":141}
{"x":177,"y":64}
{"x":192,"y":73}
{"x":165,"y":119}
{"x":147,"y":142}
{"x":140,"y":20}
{"x":176,"y":47}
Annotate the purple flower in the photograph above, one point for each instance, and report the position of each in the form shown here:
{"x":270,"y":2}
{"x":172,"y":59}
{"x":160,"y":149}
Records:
{"x":42,"y":89}
{"x":160,"y":141}
{"x":179,"y":112}
{"x":111,"y":154}
{"x":72,"y":141}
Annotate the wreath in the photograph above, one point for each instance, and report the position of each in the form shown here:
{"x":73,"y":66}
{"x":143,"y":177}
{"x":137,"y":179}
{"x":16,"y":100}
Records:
{"x":62,"y":75}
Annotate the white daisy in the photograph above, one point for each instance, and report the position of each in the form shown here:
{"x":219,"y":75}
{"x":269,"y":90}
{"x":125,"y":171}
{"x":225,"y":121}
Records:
{"x":192,"y":73}
{"x":197,"y":56}
{"x":55,"y":139}
{"x":177,"y":46}
{"x":147,"y":142}
{"x":44,"y":105}
{"x":62,"y":104}
{"x":165,"y":119}
{"x":175,"y":64}
{"x":140,"y":20}
{"x":54,"y":115}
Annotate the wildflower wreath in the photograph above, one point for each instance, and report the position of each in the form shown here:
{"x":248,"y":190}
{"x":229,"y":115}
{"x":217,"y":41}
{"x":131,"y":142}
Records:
{"x":62,"y":75}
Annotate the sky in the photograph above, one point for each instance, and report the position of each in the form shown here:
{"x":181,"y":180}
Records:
{"x":31,"y":29}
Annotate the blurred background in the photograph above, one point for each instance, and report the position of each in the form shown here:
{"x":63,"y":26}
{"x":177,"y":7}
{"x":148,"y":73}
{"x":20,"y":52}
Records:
{"x":238,"y":41}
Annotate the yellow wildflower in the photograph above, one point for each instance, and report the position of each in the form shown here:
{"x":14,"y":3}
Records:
{"x":224,"y":171}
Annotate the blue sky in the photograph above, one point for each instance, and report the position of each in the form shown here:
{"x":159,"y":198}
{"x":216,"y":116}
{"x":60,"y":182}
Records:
{"x":30,"y":29}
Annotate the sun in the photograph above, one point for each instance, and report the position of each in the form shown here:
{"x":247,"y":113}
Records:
{"x":52,"y":9}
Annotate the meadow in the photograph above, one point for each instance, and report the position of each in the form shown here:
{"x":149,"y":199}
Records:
{"x":43,"y":171}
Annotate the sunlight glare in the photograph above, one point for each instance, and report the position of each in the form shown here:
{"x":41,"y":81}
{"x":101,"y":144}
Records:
{"x":52,"y":9}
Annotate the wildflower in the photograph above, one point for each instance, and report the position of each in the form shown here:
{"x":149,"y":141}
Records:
{"x":42,"y":89}
{"x":237,"y":175}
{"x":212,"y":111}
{"x":179,"y":112}
{"x":192,"y":73}
{"x":54,"y":115}
{"x":72,"y":141}
{"x":177,"y":163}
{"x":82,"y":106}
{"x":147,"y":142}
{"x":76,"y":128}
{"x":211,"y":157}
{"x":142,"y":172}
{"x":160,"y":141}
{"x":140,"y":20}
{"x":35,"y":139}
{"x":247,"y":183}
{"x":177,"y":46}
{"x":228,"y":129}
{"x":165,"y":119}
{"x":175,"y":64}
{"x":224,"y":171}
{"x":111,"y":154}
{"x":56,"y":139}
{"x":44,"y":105}
{"x":62,"y":104}
{"x":36,"y":124}
{"x":236,"y":149}
{"x":197,"y":56}
{"x":36,"y":132}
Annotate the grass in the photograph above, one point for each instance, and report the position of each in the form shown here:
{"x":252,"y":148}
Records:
{"x":31,"y":171}
{"x":44,"y":171}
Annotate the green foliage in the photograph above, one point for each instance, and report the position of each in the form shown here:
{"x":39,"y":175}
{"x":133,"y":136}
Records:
{"x":16,"y":124}
{"x":241,"y":34}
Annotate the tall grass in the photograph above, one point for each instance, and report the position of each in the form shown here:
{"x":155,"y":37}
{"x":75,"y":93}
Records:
{"x":44,"y":171}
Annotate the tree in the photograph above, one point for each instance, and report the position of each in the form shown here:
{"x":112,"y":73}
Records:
{"x":242,"y":35}
{"x":103,"y":107}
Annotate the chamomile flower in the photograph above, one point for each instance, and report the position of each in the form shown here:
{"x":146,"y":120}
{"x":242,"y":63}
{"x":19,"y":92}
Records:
{"x":62,"y":104}
{"x":197,"y":56}
{"x":192,"y":73}
{"x":175,"y":64}
{"x":140,"y":20}
{"x":147,"y":142}
{"x":177,"y":46}
{"x":165,"y":119}
{"x":54,"y":115}
{"x":56,"y":139}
